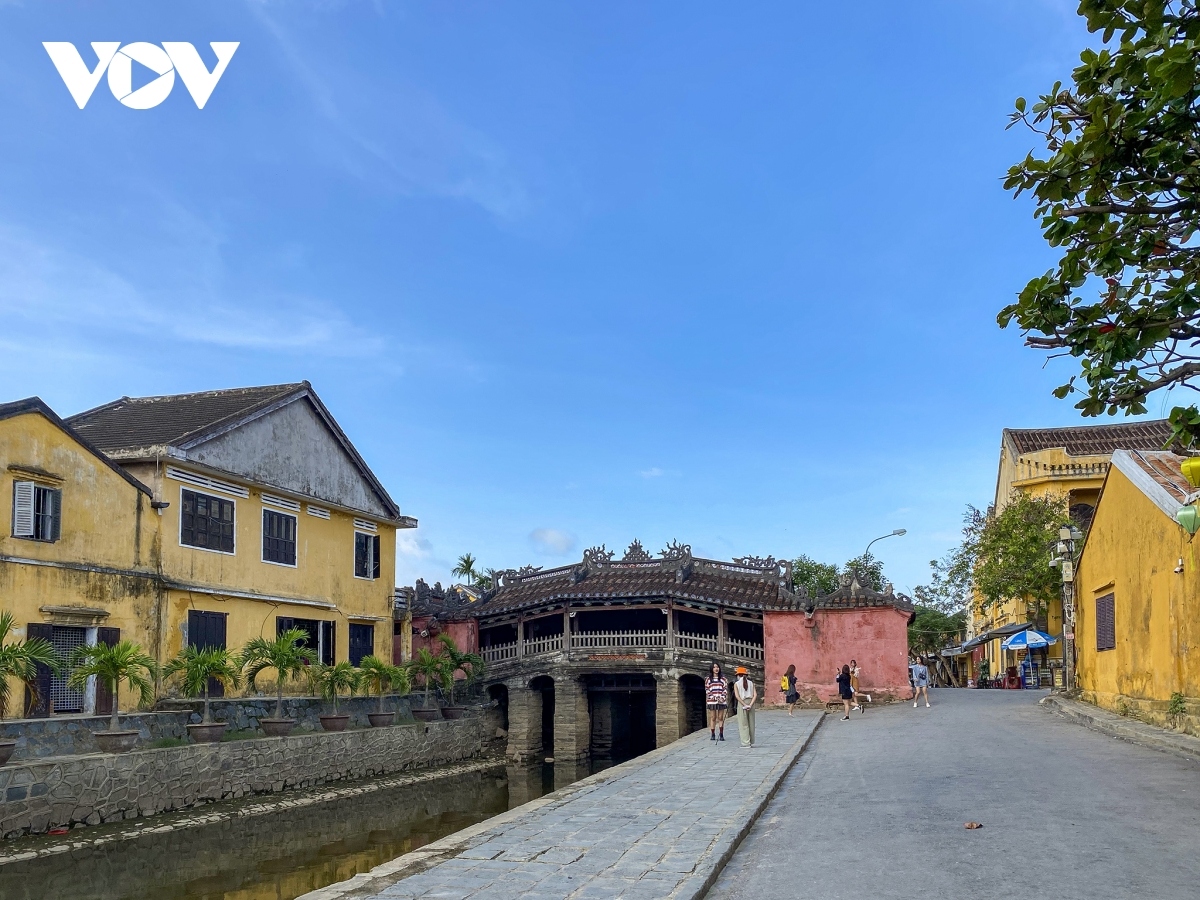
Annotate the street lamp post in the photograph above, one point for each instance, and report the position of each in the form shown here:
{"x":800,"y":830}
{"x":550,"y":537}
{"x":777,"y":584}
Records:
{"x":899,"y":532}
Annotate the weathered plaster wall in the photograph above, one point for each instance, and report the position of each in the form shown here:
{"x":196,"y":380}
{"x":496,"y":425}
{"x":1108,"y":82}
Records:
{"x":1132,"y":551}
{"x":109,"y":787}
{"x":465,"y":635}
{"x":820,"y":646}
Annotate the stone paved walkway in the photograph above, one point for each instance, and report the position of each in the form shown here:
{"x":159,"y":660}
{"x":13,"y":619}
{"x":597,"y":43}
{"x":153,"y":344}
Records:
{"x":660,"y":826}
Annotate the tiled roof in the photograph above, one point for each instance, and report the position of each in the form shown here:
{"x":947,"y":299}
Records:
{"x":1092,"y":440}
{"x":135,"y":423}
{"x":854,"y":595}
{"x":1162,"y":467}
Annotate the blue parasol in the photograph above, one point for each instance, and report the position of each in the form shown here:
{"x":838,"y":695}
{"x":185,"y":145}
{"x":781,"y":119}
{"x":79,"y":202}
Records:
{"x":1029,"y":639}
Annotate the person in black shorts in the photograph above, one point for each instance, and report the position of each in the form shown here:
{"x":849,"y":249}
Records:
{"x":716,"y":699}
{"x":845,"y":691}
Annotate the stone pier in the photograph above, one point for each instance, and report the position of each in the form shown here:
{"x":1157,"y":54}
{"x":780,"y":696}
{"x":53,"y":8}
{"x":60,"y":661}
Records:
{"x":660,"y":826}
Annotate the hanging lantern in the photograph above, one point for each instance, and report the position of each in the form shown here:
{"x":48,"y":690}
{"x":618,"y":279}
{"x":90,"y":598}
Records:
{"x":1189,"y":518}
{"x":1191,"y":470}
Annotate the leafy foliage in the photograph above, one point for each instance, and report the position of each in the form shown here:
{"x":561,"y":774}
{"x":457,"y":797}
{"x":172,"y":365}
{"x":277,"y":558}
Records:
{"x":817,"y":578}
{"x":465,"y":569}
{"x":287,"y":655}
{"x":20,"y":659}
{"x":333,"y":681}
{"x":1012,"y":552}
{"x":472,"y":665}
{"x":1118,"y":192}
{"x":932,"y":629}
{"x":197,"y":666}
{"x":868,"y":569}
{"x":123,"y":661}
{"x":431,"y":670}
{"x":379,"y":677}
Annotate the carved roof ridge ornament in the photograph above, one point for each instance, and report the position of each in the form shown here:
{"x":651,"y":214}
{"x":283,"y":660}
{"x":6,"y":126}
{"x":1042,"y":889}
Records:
{"x":636,"y":553}
{"x":676,"y":550}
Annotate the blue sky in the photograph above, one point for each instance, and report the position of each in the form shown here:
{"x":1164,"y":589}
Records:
{"x":567,"y":274}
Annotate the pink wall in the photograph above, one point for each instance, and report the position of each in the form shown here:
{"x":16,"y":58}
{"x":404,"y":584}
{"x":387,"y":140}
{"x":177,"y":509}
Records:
{"x":877,"y":637}
{"x":465,"y":635}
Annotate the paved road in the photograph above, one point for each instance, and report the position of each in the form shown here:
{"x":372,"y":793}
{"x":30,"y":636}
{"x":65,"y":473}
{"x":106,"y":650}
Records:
{"x":656,"y":827}
{"x":876,"y":807}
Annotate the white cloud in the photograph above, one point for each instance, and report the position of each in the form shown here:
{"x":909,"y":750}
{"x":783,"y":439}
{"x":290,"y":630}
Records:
{"x":412,"y":547}
{"x":551,"y":541}
{"x":654,"y":472}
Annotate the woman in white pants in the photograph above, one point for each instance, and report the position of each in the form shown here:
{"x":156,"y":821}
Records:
{"x":745,"y":693}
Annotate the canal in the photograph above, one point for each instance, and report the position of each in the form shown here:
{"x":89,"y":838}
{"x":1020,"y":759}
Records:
{"x":276,"y":855}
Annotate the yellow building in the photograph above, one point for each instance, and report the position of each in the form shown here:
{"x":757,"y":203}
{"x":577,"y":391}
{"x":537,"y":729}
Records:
{"x":1040,"y":462}
{"x":78,"y":551}
{"x":259,"y":515}
{"x":1137,"y":594}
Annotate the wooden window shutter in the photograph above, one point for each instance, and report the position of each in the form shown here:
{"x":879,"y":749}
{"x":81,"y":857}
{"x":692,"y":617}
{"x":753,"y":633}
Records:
{"x":37,"y":702}
{"x":104,"y":699}
{"x":282,"y":624}
{"x":55,"y":515}
{"x":22,"y":523}
{"x":375,"y":556}
{"x":328,"y":636}
{"x":1106,"y":624}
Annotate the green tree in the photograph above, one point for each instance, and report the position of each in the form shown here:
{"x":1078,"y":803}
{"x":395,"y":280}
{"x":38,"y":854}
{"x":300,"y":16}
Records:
{"x":287,"y":655}
{"x":123,"y":661}
{"x":380,"y":677}
{"x":333,"y":681}
{"x":466,"y":568}
{"x":868,"y":568}
{"x":1117,"y":193}
{"x":932,"y":630}
{"x":952,"y":581}
{"x":472,"y":665}
{"x":198,"y":667}
{"x":20,"y":659}
{"x":817,"y":578}
{"x":431,"y":670}
{"x":1012,"y":555}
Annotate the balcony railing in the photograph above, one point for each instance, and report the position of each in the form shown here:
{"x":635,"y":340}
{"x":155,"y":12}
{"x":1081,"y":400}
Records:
{"x":611,"y":640}
{"x":621,"y":640}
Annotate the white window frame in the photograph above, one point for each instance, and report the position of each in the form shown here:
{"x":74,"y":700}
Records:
{"x":233,"y":500}
{"x":371,"y":544}
{"x":263,"y":537}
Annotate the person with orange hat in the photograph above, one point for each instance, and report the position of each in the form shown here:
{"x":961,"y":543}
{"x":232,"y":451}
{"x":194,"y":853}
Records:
{"x":746,"y":694}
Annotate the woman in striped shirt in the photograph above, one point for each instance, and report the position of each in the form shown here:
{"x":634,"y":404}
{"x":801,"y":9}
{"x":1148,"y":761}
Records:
{"x":716,"y":697}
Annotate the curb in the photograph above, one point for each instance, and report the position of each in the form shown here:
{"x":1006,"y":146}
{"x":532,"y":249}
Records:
{"x":373,"y":883}
{"x":1115,"y":726}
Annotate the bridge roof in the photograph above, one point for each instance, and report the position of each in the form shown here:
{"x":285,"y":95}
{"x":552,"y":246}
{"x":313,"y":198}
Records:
{"x":746,"y":582}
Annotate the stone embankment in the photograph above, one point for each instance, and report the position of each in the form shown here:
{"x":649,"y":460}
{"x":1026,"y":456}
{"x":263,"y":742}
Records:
{"x":1126,"y":729}
{"x":660,"y":826}
{"x":42,"y":794}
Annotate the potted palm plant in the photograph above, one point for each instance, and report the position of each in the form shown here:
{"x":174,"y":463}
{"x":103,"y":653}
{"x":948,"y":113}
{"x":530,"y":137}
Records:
{"x":332,"y":681}
{"x":380,"y":677}
{"x":19,"y":660}
{"x":470,"y":664}
{"x":198,"y":668}
{"x":112,"y":664}
{"x":289,"y":657}
{"x":430,"y":670}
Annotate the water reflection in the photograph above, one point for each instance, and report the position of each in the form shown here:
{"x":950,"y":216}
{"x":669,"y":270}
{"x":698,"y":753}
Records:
{"x":284,"y":854}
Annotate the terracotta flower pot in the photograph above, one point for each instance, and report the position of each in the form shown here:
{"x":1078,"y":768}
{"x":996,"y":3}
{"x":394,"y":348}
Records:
{"x":454,"y":712}
{"x":277,"y":727}
{"x":116,"y":741}
{"x":207,"y":732}
{"x":335,"y":723}
{"x":381,"y":720}
{"x":6,"y":751}
{"x":426,"y":713}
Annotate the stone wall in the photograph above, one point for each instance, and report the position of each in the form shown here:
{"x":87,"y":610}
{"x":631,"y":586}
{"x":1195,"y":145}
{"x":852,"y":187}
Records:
{"x":243,"y":713}
{"x":94,"y":788}
{"x":68,"y":735}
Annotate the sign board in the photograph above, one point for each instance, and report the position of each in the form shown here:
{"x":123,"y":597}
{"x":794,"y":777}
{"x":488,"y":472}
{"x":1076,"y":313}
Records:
{"x":1069,"y":635}
{"x":1060,"y":678}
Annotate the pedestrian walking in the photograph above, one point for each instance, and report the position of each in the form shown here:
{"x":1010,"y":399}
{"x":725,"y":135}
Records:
{"x":788,"y":685}
{"x":746,"y":693}
{"x":716,"y":698}
{"x":920,"y":680}
{"x":845,"y":691}
{"x":855,"y":674}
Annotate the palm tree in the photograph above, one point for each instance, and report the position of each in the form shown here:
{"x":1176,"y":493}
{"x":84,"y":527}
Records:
{"x":466,"y":568}
{"x":488,"y":580}
{"x":287,"y":655}
{"x":336,"y":679}
{"x":199,"y":667}
{"x":380,"y":676}
{"x":430,"y":669}
{"x":20,"y":660}
{"x":470,"y":664}
{"x":123,"y":661}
